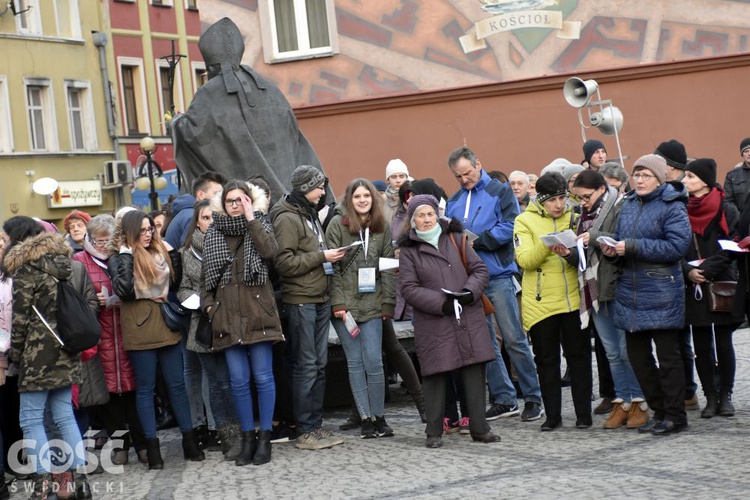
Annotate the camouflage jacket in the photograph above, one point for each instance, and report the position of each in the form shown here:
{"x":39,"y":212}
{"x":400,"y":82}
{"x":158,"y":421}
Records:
{"x":32,"y":263}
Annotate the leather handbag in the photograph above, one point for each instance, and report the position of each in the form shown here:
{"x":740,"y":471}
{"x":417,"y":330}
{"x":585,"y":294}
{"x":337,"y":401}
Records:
{"x":721,"y":296}
{"x":486,"y":302}
{"x":175,"y":316}
{"x":204,"y":334}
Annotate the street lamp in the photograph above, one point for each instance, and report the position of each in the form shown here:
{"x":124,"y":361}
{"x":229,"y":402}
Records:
{"x":150,"y":175}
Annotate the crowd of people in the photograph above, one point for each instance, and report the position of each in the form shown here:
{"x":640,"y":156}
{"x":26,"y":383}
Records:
{"x":218,"y":310}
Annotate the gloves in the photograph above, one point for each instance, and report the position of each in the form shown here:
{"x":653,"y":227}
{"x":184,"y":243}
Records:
{"x":745,"y":243}
{"x":448,"y":306}
{"x":467,"y":299}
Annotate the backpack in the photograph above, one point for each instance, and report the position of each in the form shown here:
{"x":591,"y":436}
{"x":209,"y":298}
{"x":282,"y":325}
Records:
{"x":78,"y":327}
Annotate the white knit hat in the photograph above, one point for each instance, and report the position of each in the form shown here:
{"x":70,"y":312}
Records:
{"x":396,"y":167}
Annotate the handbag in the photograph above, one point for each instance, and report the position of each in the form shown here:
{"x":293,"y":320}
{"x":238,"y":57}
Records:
{"x":175,"y":316}
{"x":720,"y":293}
{"x":487,"y":305}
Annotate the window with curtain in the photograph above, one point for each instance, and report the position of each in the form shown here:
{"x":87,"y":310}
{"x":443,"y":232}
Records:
{"x":75,"y":115}
{"x":299,"y":28}
{"x":129,"y":96}
{"x":35,"y":101}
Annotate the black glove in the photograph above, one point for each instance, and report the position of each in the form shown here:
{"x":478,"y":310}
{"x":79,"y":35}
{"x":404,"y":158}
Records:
{"x":467,"y":299}
{"x":448,"y":306}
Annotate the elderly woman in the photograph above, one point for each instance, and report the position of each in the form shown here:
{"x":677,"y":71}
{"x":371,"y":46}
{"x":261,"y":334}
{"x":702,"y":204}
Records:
{"x":616,"y":176}
{"x":652,"y":236}
{"x":712,"y":218}
{"x":599,"y":212}
{"x":550,"y":300}
{"x":443,"y":280}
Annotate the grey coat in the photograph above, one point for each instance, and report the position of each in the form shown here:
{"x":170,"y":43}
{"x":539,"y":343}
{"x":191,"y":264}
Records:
{"x":190,"y":284}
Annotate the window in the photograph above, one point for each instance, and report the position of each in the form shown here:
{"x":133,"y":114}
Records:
{"x":191,"y":4}
{"x":297,"y":29}
{"x":162,"y":3}
{"x":6,"y":133}
{"x":133,"y":87}
{"x":28,"y":19}
{"x":67,"y":18}
{"x":162,"y":67}
{"x":200,"y":76}
{"x":41,"y":114}
{"x":81,"y":116}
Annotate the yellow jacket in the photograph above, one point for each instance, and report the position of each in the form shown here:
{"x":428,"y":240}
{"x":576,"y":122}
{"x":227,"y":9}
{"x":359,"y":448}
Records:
{"x":550,"y":282}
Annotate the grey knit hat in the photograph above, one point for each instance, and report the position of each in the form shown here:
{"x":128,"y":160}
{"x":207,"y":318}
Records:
{"x":305,"y":178}
{"x":655,"y":163}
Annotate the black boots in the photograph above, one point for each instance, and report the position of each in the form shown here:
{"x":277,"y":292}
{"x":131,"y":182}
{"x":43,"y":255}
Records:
{"x":190,"y":449}
{"x":153,"y":454}
{"x":712,"y":405}
{"x":263,"y":452}
{"x":726,"y":408}
{"x":249,"y":445}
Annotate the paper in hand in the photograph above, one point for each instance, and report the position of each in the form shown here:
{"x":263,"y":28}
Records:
{"x":110,"y":300}
{"x":608,"y":241}
{"x":566,"y":238}
{"x":386,"y":263}
{"x":193,"y":302}
{"x":731,"y":246}
{"x":351,"y":245}
{"x":470,"y":236}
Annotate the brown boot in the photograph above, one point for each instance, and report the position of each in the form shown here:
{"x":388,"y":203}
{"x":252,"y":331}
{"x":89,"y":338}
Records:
{"x":618,"y":416}
{"x":638,"y":414}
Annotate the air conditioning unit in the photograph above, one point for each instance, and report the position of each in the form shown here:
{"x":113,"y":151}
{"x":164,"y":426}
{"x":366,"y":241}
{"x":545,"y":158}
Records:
{"x":117,"y":173}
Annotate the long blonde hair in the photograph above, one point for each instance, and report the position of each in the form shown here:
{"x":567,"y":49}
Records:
{"x":143,"y":258}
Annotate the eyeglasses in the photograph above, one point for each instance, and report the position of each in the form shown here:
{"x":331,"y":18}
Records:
{"x":101,"y":243}
{"x":645,"y":177}
{"x":233,"y":201}
{"x":586,"y":197}
{"x":147,"y":230}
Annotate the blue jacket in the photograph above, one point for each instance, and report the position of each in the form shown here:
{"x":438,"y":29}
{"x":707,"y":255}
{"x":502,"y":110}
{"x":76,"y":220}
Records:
{"x":492,"y":213}
{"x":182,"y":213}
{"x":656,"y":230}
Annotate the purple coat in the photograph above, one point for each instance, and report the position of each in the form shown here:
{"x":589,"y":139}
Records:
{"x":443,"y":343}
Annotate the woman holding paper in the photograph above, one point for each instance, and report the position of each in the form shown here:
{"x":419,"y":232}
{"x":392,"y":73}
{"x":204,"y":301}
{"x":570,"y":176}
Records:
{"x":550,"y":300}
{"x":362,"y":297}
{"x":443,"y":281}
{"x":653,"y":235}
{"x":214,"y":365}
{"x":712,"y":218}
{"x":237,"y":294}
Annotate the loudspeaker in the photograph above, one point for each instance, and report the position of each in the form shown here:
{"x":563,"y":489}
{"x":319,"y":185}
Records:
{"x":609,"y":120}
{"x":578,"y":92}
{"x":117,"y":172}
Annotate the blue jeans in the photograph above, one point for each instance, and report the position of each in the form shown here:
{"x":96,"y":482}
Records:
{"x":502,"y":293}
{"x":220,"y":399}
{"x":364,"y":359}
{"x":31,"y":417}
{"x":258,"y":359}
{"x":308,"y":337}
{"x":613,"y":340}
{"x":144,"y":363}
{"x":196,"y":386}
{"x":499,"y":384}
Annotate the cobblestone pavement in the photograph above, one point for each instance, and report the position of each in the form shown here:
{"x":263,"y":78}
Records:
{"x":710,"y":460}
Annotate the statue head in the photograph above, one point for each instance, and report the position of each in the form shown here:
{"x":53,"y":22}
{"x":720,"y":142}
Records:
{"x":221,"y":43}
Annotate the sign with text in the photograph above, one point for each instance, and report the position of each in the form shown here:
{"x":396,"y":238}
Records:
{"x":76,"y":194}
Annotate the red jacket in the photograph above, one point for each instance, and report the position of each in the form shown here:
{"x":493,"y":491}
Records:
{"x":117,"y":368}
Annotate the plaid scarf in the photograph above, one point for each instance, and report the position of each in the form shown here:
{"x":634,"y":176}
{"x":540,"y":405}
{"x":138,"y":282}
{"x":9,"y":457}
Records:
{"x":216,"y":251}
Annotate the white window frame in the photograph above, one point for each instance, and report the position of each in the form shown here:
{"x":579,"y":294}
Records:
{"x":32,"y":17}
{"x":88,"y":121}
{"x":195,"y":67}
{"x":187,"y":5}
{"x":163,"y":3}
{"x":269,"y":36}
{"x":6,"y":131}
{"x":144,"y":123}
{"x":74,"y":20}
{"x":179,"y":102}
{"x":48,"y":114}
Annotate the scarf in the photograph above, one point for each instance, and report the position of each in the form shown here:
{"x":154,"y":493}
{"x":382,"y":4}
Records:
{"x":196,"y":243}
{"x":702,"y":211}
{"x":255,"y":271}
{"x":431,"y":236}
{"x":91,"y":250}
{"x":588,"y":286}
{"x":157,"y":289}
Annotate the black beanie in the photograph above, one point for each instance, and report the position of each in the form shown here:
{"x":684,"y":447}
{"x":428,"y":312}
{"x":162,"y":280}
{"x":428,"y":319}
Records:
{"x":590,"y":147}
{"x":589,"y":179}
{"x":704,"y":169}
{"x":674,"y":152}
{"x":744,"y":145}
{"x":550,"y":185}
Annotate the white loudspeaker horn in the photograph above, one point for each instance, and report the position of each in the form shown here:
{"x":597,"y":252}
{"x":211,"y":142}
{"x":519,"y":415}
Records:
{"x":578,"y":92}
{"x":609,"y":121}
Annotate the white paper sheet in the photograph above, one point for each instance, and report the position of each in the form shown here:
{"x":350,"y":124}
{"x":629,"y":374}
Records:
{"x":567,"y":238}
{"x":606,"y":240}
{"x":193,"y":302}
{"x":386,"y":263}
{"x":731,"y":246}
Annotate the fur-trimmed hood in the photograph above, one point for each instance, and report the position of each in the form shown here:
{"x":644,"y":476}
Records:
{"x":257,"y":195}
{"x":46,"y":251}
{"x":410,"y":238}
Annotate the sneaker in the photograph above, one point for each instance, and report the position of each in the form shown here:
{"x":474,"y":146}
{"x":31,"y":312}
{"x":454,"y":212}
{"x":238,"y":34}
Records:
{"x":619,"y":415}
{"x":637,"y":415}
{"x":312,"y":441}
{"x":532,"y":411}
{"x":329,"y":437}
{"x":463,"y":426}
{"x":692,"y":403}
{"x":367,"y":431}
{"x":382,"y":428}
{"x":450,"y":428}
{"x":501,"y":411}
{"x":279,"y":434}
